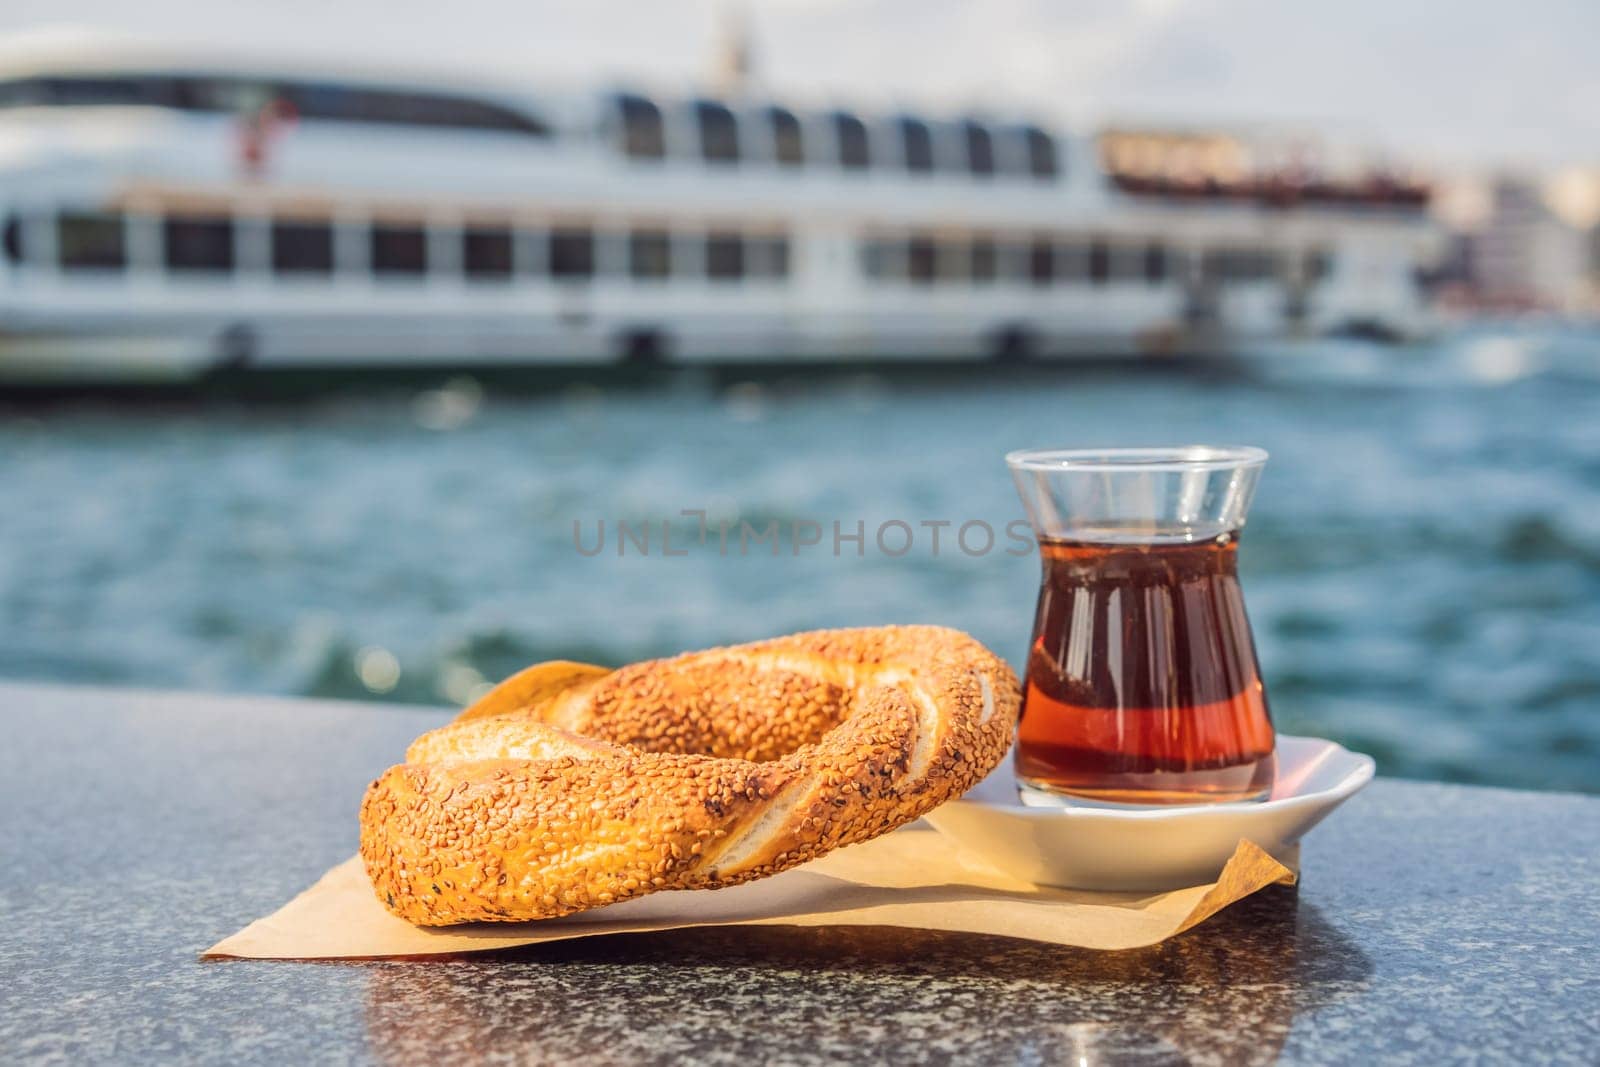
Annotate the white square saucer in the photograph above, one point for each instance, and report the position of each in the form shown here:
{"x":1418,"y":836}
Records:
{"x":1149,"y":849}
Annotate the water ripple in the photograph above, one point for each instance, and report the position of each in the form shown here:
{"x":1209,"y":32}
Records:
{"x":1423,"y":564}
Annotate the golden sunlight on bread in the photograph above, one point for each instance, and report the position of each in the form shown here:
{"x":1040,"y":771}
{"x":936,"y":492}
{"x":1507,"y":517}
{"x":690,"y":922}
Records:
{"x":570,"y":787}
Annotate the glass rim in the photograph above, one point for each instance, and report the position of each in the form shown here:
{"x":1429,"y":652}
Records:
{"x":1175,"y":458}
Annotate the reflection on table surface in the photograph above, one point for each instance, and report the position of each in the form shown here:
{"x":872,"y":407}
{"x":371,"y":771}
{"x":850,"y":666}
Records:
{"x":1227,"y":991}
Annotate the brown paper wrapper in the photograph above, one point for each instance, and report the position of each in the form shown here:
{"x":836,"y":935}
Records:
{"x":912,"y":878}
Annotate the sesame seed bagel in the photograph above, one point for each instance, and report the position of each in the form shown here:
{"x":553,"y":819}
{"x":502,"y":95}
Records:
{"x":570,"y":787}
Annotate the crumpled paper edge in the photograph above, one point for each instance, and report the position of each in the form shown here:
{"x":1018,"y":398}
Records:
{"x":910,"y":879}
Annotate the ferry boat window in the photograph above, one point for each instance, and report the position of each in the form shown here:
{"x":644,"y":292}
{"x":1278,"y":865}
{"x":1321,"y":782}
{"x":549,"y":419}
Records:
{"x":916,"y":141}
{"x":922,"y":260}
{"x":768,"y":257}
{"x":11,"y":239}
{"x":1099,"y":262}
{"x":878,"y":259}
{"x":199,"y":244}
{"x":980,"y":148}
{"x":91,"y":241}
{"x":724,"y":256}
{"x":954,"y":261}
{"x":719,"y":132}
{"x":572,"y":253}
{"x":79,"y":92}
{"x":399,"y":249}
{"x":1240,"y":264}
{"x":1041,"y":261}
{"x":1072,"y":261}
{"x":851,"y":134}
{"x":1318,"y":264}
{"x":649,"y":254}
{"x":229,"y":95}
{"x":302,"y":248}
{"x":984,"y":262}
{"x":308,"y":100}
{"x":1012,"y":259}
{"x":354,"y":103}
{"x":486,"y":252}
{"x":788,"y":143}
{"x":1156,"y":267}
{"x":643,"y":134}
{"x":1043,"y":161}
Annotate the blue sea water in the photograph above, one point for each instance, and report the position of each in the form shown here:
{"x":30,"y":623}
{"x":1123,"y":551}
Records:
{"x":1422,"y":564}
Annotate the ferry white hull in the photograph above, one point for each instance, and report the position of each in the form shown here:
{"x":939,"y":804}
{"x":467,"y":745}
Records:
{"x":115,"y":346}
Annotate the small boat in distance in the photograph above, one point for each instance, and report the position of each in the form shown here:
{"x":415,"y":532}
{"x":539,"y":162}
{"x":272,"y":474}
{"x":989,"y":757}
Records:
{"x":167,"y":214}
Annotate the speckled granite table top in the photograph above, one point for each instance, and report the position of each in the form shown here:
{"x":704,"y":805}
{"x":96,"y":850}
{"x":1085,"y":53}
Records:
{"x":1433,"y":924}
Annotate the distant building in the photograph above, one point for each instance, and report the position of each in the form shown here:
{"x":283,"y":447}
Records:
{"x":1525,"y":254}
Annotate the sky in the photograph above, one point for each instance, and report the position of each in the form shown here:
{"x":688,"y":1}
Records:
{"x":1464,"y":83}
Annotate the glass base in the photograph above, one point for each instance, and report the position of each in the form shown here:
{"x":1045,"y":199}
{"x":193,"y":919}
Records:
{"x":1033,"y":795}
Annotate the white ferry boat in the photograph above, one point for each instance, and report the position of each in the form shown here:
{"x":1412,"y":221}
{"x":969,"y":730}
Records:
{"x":164,"y":216}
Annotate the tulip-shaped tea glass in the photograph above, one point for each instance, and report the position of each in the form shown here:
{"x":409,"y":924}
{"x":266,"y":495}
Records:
{"x":1142,"y":682}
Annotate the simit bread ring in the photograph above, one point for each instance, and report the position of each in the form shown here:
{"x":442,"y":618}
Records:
{"x":570,"y":787}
